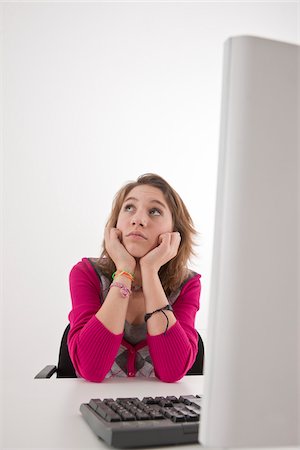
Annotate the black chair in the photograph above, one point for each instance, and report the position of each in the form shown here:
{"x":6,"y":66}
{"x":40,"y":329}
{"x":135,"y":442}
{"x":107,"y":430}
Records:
{"x":65,"y":368}
{"x":197,"y":367}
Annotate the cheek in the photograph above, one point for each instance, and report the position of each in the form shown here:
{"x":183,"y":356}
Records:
{"x":166,"y":227}
{"x":169,"y":225}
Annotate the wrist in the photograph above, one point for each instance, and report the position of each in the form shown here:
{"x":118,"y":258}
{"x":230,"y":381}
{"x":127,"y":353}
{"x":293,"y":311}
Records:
{"x":126,"y":267}
{"x":149,"y":269}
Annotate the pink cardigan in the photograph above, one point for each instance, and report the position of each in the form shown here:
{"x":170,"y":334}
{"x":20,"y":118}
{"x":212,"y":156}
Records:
{"x":93,"y":348}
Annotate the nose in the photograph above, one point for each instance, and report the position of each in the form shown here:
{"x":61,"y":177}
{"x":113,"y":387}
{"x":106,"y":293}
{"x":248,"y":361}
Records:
{"x":138,"y":220}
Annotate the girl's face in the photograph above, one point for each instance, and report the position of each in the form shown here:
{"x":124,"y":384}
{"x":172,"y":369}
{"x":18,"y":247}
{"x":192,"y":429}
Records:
{"x":143,"y":217}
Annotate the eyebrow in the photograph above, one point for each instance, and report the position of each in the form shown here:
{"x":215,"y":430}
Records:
{"x":151,"y":201}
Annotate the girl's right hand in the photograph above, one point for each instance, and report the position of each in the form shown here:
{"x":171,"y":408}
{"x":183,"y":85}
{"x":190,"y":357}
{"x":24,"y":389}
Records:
{"x":116,"y":250}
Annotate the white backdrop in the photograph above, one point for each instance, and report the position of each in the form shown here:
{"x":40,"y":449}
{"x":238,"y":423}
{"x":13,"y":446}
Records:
{"x":93,"y":95}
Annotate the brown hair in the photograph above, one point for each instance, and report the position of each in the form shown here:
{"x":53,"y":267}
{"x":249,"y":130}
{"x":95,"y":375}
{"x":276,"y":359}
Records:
{"x":174,"y":272}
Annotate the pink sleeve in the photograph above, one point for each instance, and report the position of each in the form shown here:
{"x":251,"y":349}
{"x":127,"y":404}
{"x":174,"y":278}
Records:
{"x":92,"y":347}
{"x":174,"y":352}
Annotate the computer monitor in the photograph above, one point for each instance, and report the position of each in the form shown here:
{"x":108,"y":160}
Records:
{"x":252,"y":375}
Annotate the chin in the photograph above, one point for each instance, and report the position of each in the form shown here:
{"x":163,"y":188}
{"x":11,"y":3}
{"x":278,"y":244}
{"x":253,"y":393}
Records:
{"x":137,"y":252}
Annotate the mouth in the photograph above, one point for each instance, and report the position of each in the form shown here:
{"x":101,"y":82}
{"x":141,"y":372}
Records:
{"x":136,"y":235}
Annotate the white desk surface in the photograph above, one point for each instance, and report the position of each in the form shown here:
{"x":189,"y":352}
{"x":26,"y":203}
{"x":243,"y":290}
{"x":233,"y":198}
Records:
{"x":40,"y":414}
{"x":44,"y":413}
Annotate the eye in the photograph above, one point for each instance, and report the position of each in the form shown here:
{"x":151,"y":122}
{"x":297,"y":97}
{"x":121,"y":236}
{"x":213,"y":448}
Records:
{"x":128,"y":208}
{"x":155,"y":212}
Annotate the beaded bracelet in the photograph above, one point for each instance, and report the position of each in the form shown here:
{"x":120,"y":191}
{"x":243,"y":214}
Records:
{"x":125,"y":292}
{"x":123,"y":272}
{"x":165,"y":308}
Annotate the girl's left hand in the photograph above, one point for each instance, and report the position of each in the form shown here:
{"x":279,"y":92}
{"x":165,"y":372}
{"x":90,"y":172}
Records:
{"x":168,"y":244}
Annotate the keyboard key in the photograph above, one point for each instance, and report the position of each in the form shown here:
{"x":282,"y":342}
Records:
{"x":187,"y":399}
{"x":192,"y":417}
{"x":142,"y":416}
{"x":156,"y":415}
{"x":172,"y":398}
{"x":104,"y":411}
{"x":165,"y":402}
{"x":191,"y":400}
{"x":107,"y":401}
{"x":172,"y":414}
{"x":93,"y":403}
{"x":126,"y":399}
{"x":114,"y":406}
{"x":149,"y":400}
{"x":178,"y":418}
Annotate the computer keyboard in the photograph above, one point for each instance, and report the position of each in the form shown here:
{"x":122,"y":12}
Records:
{"x":152,"y":421}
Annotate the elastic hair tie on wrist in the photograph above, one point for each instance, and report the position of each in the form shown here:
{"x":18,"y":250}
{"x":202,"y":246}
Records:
{"x":123,"y":272}
{"x":162,"y":310}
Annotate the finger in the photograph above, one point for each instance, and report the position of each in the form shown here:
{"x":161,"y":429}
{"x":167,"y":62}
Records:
{"x":176,"y":236}
{"x":164,"y":238}
{"x":118,"y":233}
{"x":112,"y":234}
{"x":175,"y":241}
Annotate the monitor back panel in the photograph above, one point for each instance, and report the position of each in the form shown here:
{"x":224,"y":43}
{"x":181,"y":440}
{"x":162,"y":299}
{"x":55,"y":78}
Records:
{"x":252,"y":356}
